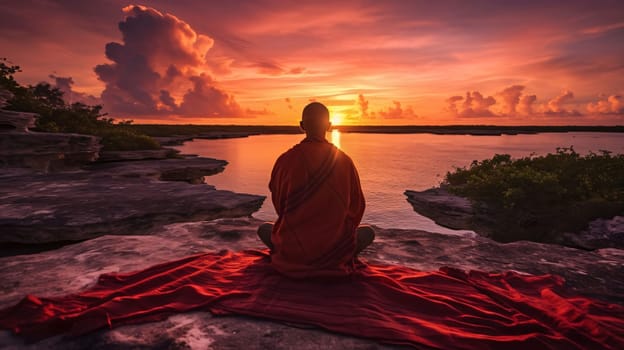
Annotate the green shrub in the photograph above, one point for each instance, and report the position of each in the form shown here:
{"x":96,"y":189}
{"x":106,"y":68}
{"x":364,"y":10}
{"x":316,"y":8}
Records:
{"x":538,"y":198}
{"x":118,"y":139}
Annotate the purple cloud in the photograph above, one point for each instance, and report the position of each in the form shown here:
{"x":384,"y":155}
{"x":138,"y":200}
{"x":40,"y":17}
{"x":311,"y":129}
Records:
{"x":158,"y":69}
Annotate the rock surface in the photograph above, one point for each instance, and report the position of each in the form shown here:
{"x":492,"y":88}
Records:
{"x":189,"y":169}
{"x":112,"y":198}
{"x":599,"y":274}
{"x":115,"y":156}
{"x":40,"y":150}
{"x":5,"y":97}
{"x":47,"y":152}
{"x":16,"y":121}
{"x":600,"y":233}
{"x":444,"y":208}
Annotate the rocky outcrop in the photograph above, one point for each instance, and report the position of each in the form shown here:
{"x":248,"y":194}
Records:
{"x":444,"y":208}
{"x":133,"y":192}
{"x":41,"y":151}
{"x":16,"y":121}
{"x":5,"y":97}
{"x":189,"y":169}
{"x":600,"y":233}
{"x":47,"y":152}
{"x":599,"y":274}
{"x":458,"y":213}
{"x":112,"y":198}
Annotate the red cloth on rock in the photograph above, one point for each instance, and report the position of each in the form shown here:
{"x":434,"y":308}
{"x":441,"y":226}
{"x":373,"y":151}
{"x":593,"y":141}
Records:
{"x":445,"y":309}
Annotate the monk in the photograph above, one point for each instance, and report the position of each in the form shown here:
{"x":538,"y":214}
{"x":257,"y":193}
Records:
{"x":317,"y":195}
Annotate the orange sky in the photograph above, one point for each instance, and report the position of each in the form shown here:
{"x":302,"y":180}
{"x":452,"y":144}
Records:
{"x":371,"y":62}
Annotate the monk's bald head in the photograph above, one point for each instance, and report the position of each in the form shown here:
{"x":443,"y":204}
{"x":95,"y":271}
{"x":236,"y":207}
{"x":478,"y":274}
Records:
{"x":315,"y":119}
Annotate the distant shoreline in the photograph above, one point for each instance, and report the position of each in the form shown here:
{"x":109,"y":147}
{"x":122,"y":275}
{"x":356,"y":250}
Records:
{"x":168,"y":130}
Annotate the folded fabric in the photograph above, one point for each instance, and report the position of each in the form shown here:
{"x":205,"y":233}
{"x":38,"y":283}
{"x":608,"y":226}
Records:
{"x":445,"y":309}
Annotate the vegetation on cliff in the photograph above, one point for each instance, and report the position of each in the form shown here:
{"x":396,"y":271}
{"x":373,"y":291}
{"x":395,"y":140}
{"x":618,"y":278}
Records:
{"x":539,"y":197}
{"x":55,"y":115}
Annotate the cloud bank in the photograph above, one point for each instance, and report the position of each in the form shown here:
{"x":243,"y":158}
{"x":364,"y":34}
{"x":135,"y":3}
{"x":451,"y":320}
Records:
{"x":474,"y":105}
{"x":609,"y":105}
{"x":513,"y":102}
{"x":396,"y":112}
{"x":361,"y":111}
{"x":556,"y":106}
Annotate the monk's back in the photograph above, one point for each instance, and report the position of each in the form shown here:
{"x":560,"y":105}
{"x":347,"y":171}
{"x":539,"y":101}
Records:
{"x":316,"y":193}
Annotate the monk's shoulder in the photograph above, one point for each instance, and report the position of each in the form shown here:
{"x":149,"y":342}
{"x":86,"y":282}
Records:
{"x":288,"y":157}
{"x":343,"y":157}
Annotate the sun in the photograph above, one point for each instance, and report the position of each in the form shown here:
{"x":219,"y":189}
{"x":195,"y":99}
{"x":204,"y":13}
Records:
{"x":336,"y":118}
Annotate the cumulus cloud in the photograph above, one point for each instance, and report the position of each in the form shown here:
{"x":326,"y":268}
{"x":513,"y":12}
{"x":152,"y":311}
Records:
{"x":158,"y":69}
{"x":557,"y":105}
{"x":613,"y":104}
{"x":65,"y":85}
{"x":206,"y":100}
{"x":396,"y":112}
{"x":474,"y":105}
{"x":451,"y":104}
{"x":512,"y":102}
{"x":510,"y":98}
{"x":526,"y":103}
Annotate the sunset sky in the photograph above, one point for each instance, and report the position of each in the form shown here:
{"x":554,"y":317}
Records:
{"x":371,"y":62}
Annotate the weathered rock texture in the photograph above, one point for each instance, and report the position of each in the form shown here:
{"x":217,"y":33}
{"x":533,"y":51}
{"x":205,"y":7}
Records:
{"x":599,"y":274}
{"x":189,"y":169}
{"x":444,"y":208}
{"x":47,"y":151}
{"x":5,"y":97}
{"x":600,"y":233}
{"x":16,"y":121}
{"x":41,"y":151}
{"x":112,"y":198}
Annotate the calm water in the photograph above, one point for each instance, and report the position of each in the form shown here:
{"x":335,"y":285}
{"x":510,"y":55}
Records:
{"x":387,"y":164}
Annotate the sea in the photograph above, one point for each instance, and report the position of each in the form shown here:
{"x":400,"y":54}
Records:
{"x":388,"y":164}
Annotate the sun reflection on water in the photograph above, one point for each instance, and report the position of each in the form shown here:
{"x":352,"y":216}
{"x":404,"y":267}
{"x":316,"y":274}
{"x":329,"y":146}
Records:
{"x":335,"y":137}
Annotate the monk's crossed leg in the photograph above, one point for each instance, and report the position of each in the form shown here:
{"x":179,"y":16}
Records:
{"x":365,"y":235}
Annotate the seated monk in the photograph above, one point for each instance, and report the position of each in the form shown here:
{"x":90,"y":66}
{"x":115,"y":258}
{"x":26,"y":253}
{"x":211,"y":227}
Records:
{"x":316,"y":192}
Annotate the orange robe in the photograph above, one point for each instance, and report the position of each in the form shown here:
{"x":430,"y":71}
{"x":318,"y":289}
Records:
{"x":317,"y":195}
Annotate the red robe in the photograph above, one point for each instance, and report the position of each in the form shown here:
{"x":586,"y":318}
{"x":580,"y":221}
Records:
{"x":317,"y":195}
